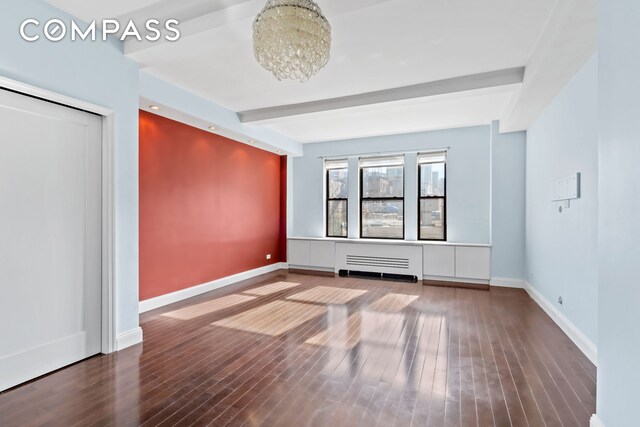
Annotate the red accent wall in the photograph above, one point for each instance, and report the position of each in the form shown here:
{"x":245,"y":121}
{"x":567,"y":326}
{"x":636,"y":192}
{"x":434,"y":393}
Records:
{"x":210,"y":207}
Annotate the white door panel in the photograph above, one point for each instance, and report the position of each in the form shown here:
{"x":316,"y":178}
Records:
{"x":50,"y":237}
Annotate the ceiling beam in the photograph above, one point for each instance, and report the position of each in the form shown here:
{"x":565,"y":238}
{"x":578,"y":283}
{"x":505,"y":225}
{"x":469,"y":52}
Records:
{"x":422,"y":90}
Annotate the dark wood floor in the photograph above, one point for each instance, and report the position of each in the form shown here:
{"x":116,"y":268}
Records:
{"x":302,"y":350}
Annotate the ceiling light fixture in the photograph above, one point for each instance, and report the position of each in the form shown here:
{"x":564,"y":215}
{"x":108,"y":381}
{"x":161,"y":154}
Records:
{"x":154,"y":107}
{"x":292,"y":39}
{"x":212,"y":128}
{"x":251,"y":141}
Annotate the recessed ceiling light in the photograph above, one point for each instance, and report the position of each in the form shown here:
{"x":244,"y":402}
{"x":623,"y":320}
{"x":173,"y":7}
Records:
{"x":251,"y":141}
{"x":212,"y":128}
{"x":154,"y":107}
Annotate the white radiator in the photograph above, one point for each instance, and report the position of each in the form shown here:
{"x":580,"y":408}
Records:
{"x":380,"y":258}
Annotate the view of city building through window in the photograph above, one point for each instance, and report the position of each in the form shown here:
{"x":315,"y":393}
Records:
{"x":382,"y":198}
{"x":337,"y":194}
{"x":382,"y":189}
{"x":432,"y":199}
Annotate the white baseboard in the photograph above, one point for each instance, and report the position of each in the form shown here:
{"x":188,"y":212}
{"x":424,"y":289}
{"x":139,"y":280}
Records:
{"x":596,"y":421}
{"x":162,"y":300}
{"x":455,"y":279}
{"x":129,"y":338}
{"x":306,"y":267}
{"x":506,"y":282}
{"x":579,"y":339}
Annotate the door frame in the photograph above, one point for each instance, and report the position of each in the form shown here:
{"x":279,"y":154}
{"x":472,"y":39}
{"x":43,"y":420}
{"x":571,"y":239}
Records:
{"x":108,"y":317}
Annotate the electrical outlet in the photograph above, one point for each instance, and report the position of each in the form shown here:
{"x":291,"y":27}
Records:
{"x":560,"y":300}
{"x":268,"y":256}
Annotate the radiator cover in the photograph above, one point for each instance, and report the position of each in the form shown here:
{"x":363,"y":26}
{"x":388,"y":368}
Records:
{"x":379,"y":258}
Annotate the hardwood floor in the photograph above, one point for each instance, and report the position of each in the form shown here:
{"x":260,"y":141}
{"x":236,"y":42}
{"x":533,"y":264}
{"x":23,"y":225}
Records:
{"x":302,"y":350}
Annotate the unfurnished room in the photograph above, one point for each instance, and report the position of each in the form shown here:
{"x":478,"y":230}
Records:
{"x":319,"y":213}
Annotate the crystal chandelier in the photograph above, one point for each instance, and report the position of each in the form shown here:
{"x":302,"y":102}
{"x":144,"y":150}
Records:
{"x":292,"y":39}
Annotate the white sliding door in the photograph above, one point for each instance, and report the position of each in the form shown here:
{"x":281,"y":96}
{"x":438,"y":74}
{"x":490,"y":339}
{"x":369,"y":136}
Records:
{"x":50,"y":237}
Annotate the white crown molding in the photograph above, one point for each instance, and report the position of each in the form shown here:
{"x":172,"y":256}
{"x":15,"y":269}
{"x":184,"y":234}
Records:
{"x":162,"y":300}
{"x":579,"y":339}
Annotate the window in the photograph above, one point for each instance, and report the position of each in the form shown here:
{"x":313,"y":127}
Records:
{"x":432,"y":200}
{"x":337,"y":192}
{"x":382,"y":197}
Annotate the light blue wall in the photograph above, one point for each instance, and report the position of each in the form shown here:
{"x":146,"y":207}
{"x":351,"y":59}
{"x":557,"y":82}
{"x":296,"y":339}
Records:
{"x":95,"y":72}
{"x":619,"y":222}
{"x":507,"y":203}
{"x":468,"y":181}
{"x":562,"y":248}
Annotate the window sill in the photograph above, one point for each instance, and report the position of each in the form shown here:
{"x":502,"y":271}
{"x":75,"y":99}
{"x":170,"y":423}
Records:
{"x":392,"y":241}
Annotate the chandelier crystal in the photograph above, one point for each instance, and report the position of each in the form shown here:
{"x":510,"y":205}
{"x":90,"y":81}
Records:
{"x":291,"y":39}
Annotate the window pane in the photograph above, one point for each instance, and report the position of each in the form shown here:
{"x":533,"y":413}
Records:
{"x":337,"y":183}
{"x":383,"y":219}
{"x":337,"y":218}
{"x":385,"y":181}
{"x":432,"y":179}
{"x":432,"y":219}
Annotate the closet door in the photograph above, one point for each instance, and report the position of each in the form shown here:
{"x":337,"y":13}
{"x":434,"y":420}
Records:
{"x":50,"y":237}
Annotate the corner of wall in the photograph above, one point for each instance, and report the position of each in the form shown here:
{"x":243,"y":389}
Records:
{"x":129,"y":338}
{"x":583,"y":342}
{"x":507,"y":205}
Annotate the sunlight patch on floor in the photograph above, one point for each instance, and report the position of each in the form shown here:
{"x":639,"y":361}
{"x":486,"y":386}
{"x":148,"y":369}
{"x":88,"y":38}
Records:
{"x":274,"y":318}
{"x":197,"y":310}
{"x":271,"y":288}
{"x":361,"y":327}
{"x":328,"y":295}
{"x":344,"y":336}
{"x":392,"y":303}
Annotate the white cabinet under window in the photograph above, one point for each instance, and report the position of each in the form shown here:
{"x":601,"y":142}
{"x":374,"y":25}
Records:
{"x":439,"y":260}
{"x":299,"y":252}
{"x":311,"y":254}
{"x":473,"y":262}
{"x":322,"y":254}
{"x":457,"y":262}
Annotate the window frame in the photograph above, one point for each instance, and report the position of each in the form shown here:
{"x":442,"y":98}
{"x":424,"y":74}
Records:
{"x":421,"y":197}
{"x":329,"y":199}
{"x":362,"y":198}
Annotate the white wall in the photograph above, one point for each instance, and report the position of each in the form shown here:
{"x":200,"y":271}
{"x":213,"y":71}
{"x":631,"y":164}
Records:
{"x":619,"y":222}
{"x":562,"y":248}
{"x":468,"y":181}
{"x":98,"y":73}
{"x":507,"y":204}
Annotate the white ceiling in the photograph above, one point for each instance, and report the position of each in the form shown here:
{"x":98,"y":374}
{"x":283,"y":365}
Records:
{"x":377,"y":45}
{"x":438,"y":112}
